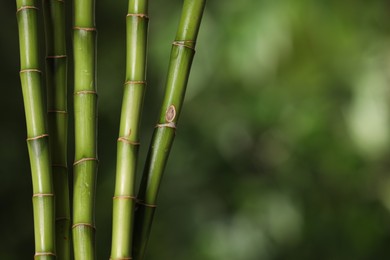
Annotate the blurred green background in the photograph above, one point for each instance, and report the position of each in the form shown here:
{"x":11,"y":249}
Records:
{"x":282,"y":150}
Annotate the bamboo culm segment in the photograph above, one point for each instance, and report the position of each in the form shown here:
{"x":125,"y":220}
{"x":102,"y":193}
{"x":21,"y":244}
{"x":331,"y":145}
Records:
{"x":37,"y":137}
{"x":56,"y":82}
{"x":182,"y":53}
{"x":85,"y":114}
{"x":128,"y":141}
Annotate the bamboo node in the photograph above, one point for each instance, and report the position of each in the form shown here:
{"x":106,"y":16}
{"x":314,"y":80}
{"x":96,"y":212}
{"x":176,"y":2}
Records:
{"x":90,"y":29}
{"x":186,"y":44}
{"x":56,"y":56}
{"x":62,"y":218}
{"x":30,"y":70}
{"x":43,"y":195}
{"x":138,"y":15}
{"x":135,"y":82}
{"x":84,"y":225}
{"x":124,"y":197}
{"x":83,"y":92}
{"x":37,"y":137}
{"x":59,"y":165}
{"x":169,"y":125}
{"x":27,"y":7}
{"x":44,"y":254}
{"x":142,"y":203}
{"x":85,"y":160}
{"x":125,"y":140}
{"x":122,"y":258}
{"x":57,"y":111}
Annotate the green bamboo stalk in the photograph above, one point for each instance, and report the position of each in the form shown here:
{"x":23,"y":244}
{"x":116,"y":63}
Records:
{"x":182,"y":53}
{"x":128,"y":141}
{"x":37,"y":137}
{"x":85,"y":114}
{"x":56,"y":82}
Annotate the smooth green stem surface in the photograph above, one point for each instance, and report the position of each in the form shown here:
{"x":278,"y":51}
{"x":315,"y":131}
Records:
{"x":56,"y":82}
{"x":182,"y":53}
{"x":128,"y":141}
{"x":37,"y":136}
{"x":85,"y":114}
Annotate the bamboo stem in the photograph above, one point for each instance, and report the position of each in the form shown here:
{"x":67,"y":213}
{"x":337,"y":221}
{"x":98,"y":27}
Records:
{"x":183,"y":50}
{"x":128,"y":141}
{"x":37,"y":137}
{"x":85,"y":109}
{"x":56,"y":81}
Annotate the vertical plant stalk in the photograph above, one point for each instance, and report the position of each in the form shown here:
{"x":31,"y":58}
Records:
{"x":183,"y":50}
{"x":85,"y":114}
{"x":56,"y":82}
{"x":37,"y":135}
{"x":128,"y":141}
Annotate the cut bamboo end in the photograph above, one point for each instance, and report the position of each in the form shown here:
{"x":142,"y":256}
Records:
{"x":26,"y":7}
{"x":87,"y":225}
{"x":30,"y":70}
{"x":127,"y":141}
{"x":37,"y":137}
{"x":135,"y":82}
{"x":89,"y":29}
{"x":57,"y":111}
{"x":56,"y":57}
{"x":43,"y":195}
{"x":124,"y":197}
{"x":85,"y":92}
{"x":145,"y":16}
{"x":170,"y":114}
{"x":168,"y":125}
{"x":186,"y":44}
{"x":37,"y":254}
{"x":140,"y":202}
{"x":85,"y":160}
